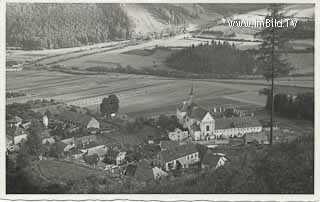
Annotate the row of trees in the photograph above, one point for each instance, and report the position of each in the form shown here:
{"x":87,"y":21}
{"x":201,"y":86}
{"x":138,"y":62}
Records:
{"x":218,"y":58}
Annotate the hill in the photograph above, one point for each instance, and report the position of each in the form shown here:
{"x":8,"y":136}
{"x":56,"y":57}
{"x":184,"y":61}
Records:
{"x":52,"y":25}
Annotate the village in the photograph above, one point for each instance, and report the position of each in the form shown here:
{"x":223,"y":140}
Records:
{"x":187,"y":142}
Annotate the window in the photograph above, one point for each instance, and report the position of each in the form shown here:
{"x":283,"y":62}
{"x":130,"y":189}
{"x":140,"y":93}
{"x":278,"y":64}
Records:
{"x":208,"y":128}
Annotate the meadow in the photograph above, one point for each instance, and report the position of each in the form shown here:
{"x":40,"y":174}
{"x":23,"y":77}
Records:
{"x":138,"y":94}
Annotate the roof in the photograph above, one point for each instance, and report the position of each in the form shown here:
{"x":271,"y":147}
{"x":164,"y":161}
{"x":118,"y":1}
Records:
{"x":197,"y":112}
{"x":75,"y":117}
{"x":100,"y":151}
{"x":236,"y":122}
{"x":165,"y":145}
{"x":88,"y":138}
{"x":177,"y":152}
{"x":210,"y":159}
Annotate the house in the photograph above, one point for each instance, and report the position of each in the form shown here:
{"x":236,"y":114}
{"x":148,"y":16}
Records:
{"x":181,"y":156}
{"x":79,"y":119}
{"x":213,"y":160}
{"x":98,"y":149}
{"x":25,"y":124}
{"x":75,"y":154}
{"x":121,"y":157}
{"x":15,"y":121}
{"x":178,"y":135}
{"x":205,"y":125}
{"x":15,"y":135}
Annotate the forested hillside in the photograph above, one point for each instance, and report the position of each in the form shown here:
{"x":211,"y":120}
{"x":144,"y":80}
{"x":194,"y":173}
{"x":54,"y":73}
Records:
{"x":35,"y":26}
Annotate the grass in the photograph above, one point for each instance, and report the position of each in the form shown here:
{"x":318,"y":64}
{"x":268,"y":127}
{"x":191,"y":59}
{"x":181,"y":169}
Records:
{"x":64,"y":171}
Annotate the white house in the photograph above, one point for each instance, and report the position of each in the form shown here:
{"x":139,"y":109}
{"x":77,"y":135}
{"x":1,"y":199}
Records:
{"x":120,"y":159}
{"x":181,"y":156}
{"x":178,"y":135}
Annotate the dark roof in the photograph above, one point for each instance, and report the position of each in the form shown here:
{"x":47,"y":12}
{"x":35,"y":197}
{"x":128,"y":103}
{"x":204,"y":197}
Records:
{"x":236,"y":122}
{"x":210,"y":159}
{"x":197,"y":112}
{"x":177,"y":152}
{"x":165,"y":145}
{"x":76,"y":117}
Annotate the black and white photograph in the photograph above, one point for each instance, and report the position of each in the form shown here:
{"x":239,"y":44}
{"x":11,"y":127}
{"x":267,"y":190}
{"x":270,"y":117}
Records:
{"x":159,"y":98}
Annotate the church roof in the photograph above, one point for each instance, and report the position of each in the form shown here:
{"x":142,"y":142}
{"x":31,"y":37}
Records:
{"x":197,"y":112}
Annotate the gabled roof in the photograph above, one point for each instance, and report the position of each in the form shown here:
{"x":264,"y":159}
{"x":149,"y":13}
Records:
{"x":165,"y":145}
{"x":75,"y":117}
{"x":177,"y":152}
{"x":197,"y":112}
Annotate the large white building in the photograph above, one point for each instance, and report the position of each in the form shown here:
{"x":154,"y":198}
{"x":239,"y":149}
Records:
{"x":205,"y":125}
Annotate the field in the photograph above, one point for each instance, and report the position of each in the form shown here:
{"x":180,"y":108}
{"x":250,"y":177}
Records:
{"x":139,"y":95}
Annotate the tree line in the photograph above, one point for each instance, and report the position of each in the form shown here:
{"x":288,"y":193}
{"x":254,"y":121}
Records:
{"x":216,"y":58}
{"x":300,"y":106}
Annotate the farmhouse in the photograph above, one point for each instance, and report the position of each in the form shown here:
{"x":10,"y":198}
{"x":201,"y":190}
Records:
{"x":203,"y":125}
{"x":79,"y":119}
{"x":181,"y":156}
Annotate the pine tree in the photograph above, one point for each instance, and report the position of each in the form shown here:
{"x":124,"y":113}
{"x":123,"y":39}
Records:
{"x":272,"y":50}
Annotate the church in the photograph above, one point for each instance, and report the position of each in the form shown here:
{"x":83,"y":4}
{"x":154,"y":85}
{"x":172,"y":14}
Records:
{"x":205,"y":125}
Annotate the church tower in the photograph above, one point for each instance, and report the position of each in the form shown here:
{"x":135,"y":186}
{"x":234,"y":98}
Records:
{"x":191,"y":95}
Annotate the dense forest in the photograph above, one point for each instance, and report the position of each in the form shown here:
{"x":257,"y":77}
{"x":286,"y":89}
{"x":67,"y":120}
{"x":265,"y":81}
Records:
{"x":36,"y":26}
{"x":215,"y":58}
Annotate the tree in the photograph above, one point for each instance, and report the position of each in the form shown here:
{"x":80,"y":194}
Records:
{"x":34,"y":140}
{"x":272,"y":49}
{"x":109,"y":105}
